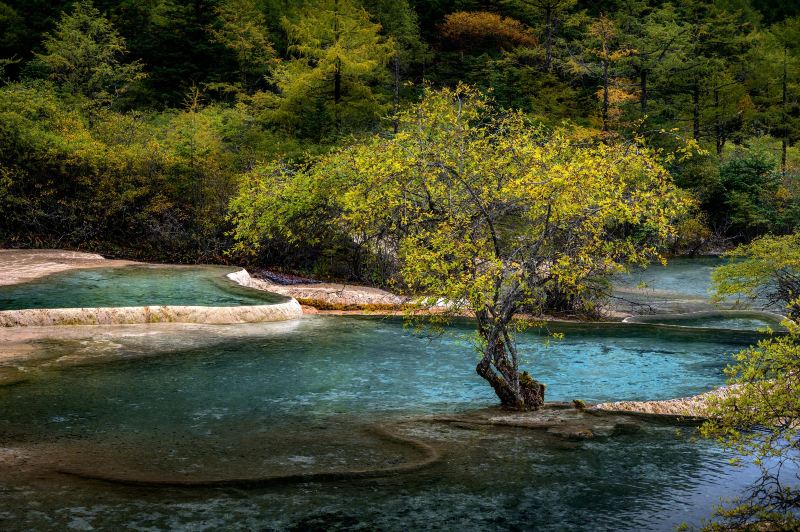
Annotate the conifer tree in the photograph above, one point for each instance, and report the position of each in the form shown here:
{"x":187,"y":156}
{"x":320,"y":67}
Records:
{"x":603,"y":53}
{"x":338,"y":58}
{"x":242,"y":28}
{"x":551,"y":14}
{"x":84,"y":55}
{"x":778,"y":67}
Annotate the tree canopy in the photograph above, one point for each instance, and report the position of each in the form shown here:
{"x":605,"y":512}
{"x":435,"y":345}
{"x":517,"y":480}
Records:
{"x":289,"y":81}
{"x":482,"y":210}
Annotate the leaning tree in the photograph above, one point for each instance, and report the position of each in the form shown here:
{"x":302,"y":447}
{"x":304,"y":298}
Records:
{"x":485,"y":213}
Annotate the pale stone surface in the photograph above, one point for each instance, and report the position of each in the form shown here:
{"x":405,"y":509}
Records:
{"x":17,"y":266}
{"x":694,"y":406}
{"x":21,"y":265}
{"x":331,"y":293}
{"x":164,"y":314}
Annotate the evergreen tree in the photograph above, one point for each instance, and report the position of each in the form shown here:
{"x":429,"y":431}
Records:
{"x":550,"y":14}
{"x":83,"y":55}
{"x":708,"y":81}
{"x":659,"y":42}
{"x":172,"y":38}
{"x":604,"y":51}
{"x":337,"y":59}
{"x":776,"y":83}
{"x":399,"y":21}
{"x":242,"y":28}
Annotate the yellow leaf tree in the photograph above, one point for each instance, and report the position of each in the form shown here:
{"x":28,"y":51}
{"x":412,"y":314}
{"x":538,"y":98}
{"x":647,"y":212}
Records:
{"x":485,"y":213}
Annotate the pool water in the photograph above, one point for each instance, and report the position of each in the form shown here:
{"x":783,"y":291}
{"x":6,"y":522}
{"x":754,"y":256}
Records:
{"x":264,"y":398}
{"x":134,"y":286}
{"x":683,"y":285}
{"x":685,"y":276}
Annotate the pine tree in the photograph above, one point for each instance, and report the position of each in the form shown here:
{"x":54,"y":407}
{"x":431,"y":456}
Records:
{"x":242,"y":28}
{"x":658,"y":41}
{"x":777,"y":85}
{"x":338,"y":58}
{"x":708,"y":86}
{"x":84,"y":56}
{"x":399,"y":21}
{"x":550,"y":14}
{"x":603,"y":53}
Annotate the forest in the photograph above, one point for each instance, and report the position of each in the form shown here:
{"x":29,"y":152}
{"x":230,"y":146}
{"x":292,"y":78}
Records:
{"x":136,"y":128}
{"x":520,"y":169}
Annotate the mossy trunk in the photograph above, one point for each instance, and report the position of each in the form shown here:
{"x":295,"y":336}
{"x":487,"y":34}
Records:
{"x":516,"y":391}
{"x":528,"y":396}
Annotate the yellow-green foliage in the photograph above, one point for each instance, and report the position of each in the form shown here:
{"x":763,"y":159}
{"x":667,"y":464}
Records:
{"x":127,"y":179}
{"x":474,"y":202}
{"x":768,"y":267}
{"x":480,"y":210}
{"x":760,"y":418}
{"x":337,"y":54}
{"x":485,"y":205}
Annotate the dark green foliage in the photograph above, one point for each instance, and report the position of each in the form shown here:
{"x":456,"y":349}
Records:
{"x":748,"y":185}
{"x":138,"y":139}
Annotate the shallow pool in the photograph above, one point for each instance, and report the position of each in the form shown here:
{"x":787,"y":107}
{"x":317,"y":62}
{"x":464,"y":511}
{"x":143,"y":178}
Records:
{"x":134,"y":286}
{"x":244,"y":399}
{"x":683,"y":285}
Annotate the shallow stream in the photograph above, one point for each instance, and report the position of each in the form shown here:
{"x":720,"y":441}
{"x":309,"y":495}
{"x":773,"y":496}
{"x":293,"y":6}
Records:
{"x":179,"y":403}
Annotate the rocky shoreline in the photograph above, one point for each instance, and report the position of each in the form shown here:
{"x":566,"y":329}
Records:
{"x":692,"y":407}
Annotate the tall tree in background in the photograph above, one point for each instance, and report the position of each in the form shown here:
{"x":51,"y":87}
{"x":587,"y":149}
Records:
{"x":242,"y":28}
{"x":12,"y":33}
{"x":781,"y":64}
{"x":708,"y":80}
{"x":84,"y":53}
{"x":602,"y":59}
{"x":338,"y":55}
{"x":551,"y":14}
{"x":400,"y":22}
{"x":658,"y":41}
{"x":172,"y":39}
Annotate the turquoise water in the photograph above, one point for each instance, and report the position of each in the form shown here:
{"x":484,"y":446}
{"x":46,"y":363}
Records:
{"x":134,"y":286}
{"x":690,"y":277}
{"x":683,"y":285}
{"x":742,"y":324}
{"x":288,"y":397}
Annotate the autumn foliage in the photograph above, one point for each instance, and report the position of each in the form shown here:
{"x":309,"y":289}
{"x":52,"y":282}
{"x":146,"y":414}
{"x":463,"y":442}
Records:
{"x":472,"y":28}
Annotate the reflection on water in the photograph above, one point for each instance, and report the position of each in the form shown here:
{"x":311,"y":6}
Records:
{"x":133,"y":286}
{"x":239,"y":400}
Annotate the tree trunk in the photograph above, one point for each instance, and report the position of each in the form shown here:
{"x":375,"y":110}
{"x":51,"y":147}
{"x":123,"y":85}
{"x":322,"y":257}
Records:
{"x":696,"y":110}
{"x":337,"y":95}
{"x":643,"y":90}
{"x":529,"y":397}
{"x":784,"y":100}
{"x":718,"y":134}
{"x":548,"y":57}
{"x":337,"y":75}
{"x":605,"y":94}
{"x":396,"y":69}
{"x":516,"y":391}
